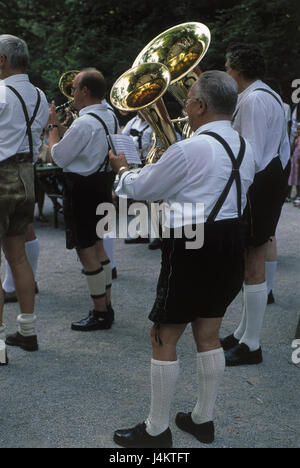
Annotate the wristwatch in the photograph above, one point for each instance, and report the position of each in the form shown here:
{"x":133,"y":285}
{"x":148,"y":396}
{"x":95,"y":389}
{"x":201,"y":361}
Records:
{"x":50,"y":126}
{"x":122,"y":169}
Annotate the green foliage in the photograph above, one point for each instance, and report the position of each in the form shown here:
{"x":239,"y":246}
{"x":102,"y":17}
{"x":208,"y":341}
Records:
{"x":109,"y":34}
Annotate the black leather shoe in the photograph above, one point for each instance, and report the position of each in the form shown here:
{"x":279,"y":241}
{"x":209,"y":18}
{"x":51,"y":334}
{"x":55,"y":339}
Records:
{"x":205,"y":433}
{"x":95,"y":321}
{"x":28,"y":343}
{"x":155,"y":244}
{"x":271,"y":299}
{"x":114,"y":273}
{"x":229,"y":342}
{"x":137,"y":437}
{"x":137,"y":240}
{"x":241,"y":355}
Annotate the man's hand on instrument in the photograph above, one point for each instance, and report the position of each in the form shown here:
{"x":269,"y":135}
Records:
{"x":53,"y":117}
{"x":118,"y":163}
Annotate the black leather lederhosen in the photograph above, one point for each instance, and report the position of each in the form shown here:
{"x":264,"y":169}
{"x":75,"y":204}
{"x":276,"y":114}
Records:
{"x":73,"y":181}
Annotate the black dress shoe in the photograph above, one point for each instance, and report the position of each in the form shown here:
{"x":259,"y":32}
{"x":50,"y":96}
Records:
{"x":137,"y":240}
{"x":137,"y":437}
{"x":229,"y":342}
{"x":271,"y":299}
{"x":155,"y":244}
{"x":114,"y":273}
{"x":28,"y":343}
{"x":95,"y":321}
{"x":241,"y":355}
{"x":205,"y":433}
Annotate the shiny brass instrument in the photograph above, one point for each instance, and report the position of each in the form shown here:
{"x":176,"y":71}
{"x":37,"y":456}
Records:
{"x":65,"y":86}
{"x":141,"y":89}
{"x":180,"y":48}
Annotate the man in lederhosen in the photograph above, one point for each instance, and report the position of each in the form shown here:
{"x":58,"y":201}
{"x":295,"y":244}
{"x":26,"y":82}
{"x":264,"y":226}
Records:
{"x":83,"y":155}
{"x":260,"y":118}
{"x":214,"y":167}
{"x":23,"y":115}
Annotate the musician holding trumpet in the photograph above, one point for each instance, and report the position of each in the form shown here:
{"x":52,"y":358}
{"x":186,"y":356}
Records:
{"x":214,"y":167}
{"x":83,"y":155}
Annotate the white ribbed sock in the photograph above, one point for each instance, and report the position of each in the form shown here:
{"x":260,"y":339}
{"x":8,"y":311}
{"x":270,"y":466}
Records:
{"x":26,"y":324}
{"x":210,"y":371}
{"x":270,"y":270}
{"x":164,"y":375}
{"x":32,"y":249}
{"x":242,"y":326}
{"x":108,"y":244}
{"x":256,"y":301}
{"x":2,"y":344}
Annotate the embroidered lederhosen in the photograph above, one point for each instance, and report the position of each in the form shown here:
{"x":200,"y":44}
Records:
{"x":17,"y":183}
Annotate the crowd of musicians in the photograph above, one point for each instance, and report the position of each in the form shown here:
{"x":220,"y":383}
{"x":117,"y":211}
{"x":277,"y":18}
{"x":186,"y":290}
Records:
{"x":236,"y":163}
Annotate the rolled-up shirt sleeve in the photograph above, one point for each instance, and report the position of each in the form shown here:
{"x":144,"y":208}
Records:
{"x":70,"y":146}
{"x":156,"y":181}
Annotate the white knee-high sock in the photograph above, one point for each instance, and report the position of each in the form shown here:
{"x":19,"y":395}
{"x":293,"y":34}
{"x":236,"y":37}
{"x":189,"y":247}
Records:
{"x":242,"y":326}
{"x":210,"y":371}
{"x":32,"y":249}
{"x":108,"y":244}
{"x":256,"y":301}
{"x":270,"y":270}
{"x":164,"y":375}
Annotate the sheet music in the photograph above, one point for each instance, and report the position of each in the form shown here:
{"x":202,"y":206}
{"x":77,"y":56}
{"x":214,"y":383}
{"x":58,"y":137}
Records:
{"x":124,"y":144}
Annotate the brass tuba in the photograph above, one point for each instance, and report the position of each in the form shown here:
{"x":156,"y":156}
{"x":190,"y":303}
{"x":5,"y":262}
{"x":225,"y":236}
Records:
{"x":179,"y":49}
{"x":141,"y":89}
{"x":65,"y":86}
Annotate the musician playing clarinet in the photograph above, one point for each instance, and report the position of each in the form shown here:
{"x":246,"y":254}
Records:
{"x":83,"y":155}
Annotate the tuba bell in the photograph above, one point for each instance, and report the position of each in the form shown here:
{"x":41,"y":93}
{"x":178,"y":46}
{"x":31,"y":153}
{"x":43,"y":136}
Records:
{"x":180,"y":48}
{"x":141,"y":89}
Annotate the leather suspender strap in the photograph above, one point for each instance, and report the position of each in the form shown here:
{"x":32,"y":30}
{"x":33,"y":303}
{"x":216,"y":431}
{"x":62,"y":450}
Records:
{"x":234,"y":176}
{"x":106,"y":160}
{"x":29,"y":122}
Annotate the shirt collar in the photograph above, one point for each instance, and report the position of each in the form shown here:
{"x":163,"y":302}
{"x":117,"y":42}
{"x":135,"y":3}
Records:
{"x":254,"y":85}
{"x":213,"y":126}
{"x":94,"y":107}
{"x":19,"y":78}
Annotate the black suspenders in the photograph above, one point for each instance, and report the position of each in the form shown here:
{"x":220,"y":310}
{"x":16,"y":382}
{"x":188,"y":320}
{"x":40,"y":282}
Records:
{"x":29,"y":122}
{"x":235,"y":176}
{"x":106,"y":160}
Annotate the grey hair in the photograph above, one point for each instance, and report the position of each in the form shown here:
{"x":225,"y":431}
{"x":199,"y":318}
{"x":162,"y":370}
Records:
{"x":15,"y":50}
{"x":219,"y":91}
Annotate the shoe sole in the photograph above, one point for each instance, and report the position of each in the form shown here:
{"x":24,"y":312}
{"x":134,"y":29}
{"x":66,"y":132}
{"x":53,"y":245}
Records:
{"x":30,"y":349}
{"x":75,"y":328}
{"x":119,"y":442}
{"x":203,"y":440}
{"x":243,"y":363}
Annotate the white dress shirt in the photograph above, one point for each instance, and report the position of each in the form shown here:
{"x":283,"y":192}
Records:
{"x":192,"y":171}
{"x":84,"y":146}
{"x":261,"y":120}
{"x":141,"y":126}
{"x":13,"y":129}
